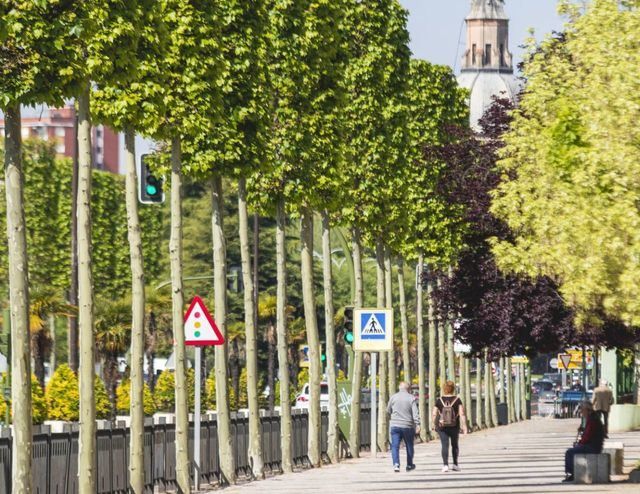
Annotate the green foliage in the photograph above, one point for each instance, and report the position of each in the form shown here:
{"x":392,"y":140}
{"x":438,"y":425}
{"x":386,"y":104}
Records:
{"x":123,"y":398}
{"x":571,"y":163}
{"x":164,"y":392}
{"x":303,"y":377}
{"x":292,"y":394}
{"x":103,"y":404}
{"x":48,"y":216}
{"x":63,"y":397}
{"x":38,"y":401}
{"x":377,"y":138}
{"x":435,"y":104}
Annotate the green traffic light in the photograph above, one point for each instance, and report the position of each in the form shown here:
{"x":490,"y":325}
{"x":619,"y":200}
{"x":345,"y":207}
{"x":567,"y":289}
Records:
{"x":152,"y":190}
{"x":323,"y":357}
{"x":348,"y":337}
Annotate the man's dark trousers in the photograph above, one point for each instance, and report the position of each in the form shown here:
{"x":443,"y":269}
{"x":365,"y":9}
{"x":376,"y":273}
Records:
{"x":581,"y":449}
{"x":399,"y":434}
{"x":605,"y":421}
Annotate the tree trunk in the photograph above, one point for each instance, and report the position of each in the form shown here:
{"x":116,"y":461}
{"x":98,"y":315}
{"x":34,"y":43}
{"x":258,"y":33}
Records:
{"x":354,"y":435}
{"x":422,"y":398}
{"x":251,"y":337}
{"x":523,"y":392}
{"x":487,"y":392}
{"x":433,"y":356}
{"x":87,"y":437}
{"x":281,"y":325}
{"x":313,"y":337}
{"x":73,"y":355}
{"x":175,"y":254}
{"x":492,"y":397}
{"x":442,"y":344}
{"x":479,"y":418}
{"x":37,"y":354}
{"x":462,"y":383}
{"x":136,"y":450}
{"x":406,"y":361}
{"x":19,"y":303}
{"x":330,"y":338}
{"x":151,"y":345}
{"x":501,"y":379}
{"x":467,"y":392}
{"x":451,"y":358}
{"x":52,"y":355}
{"x":392,"y":361}
{"x":271,"y":364}
{"x":510,"y":397}
{"x":227,"y":462}
{"x":383,"y":395}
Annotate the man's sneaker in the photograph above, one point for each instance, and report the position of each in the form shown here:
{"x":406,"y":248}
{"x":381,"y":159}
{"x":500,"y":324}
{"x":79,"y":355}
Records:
{"x":455,"y":468}
{"x":410,"y":467}
{"x":445,"y":468}
{"x":569,"y":478}
{"x":396,"y":468}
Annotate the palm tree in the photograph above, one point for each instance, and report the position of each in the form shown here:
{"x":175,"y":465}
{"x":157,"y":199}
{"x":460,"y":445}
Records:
{"x":113,"y":333}
{"x":45,"y":302}
{"x":267,"y":305}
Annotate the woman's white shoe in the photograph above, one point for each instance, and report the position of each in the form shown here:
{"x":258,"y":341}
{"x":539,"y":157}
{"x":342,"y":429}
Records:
{"x":445,"y":469}
{"x":455,"y":468}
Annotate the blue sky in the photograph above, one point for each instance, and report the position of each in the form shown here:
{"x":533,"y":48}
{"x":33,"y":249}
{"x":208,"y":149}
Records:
{"x":435,"y":26}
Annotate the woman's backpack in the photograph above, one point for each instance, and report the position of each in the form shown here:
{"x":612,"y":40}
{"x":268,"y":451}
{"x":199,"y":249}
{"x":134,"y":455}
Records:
{"x":448,"y":416}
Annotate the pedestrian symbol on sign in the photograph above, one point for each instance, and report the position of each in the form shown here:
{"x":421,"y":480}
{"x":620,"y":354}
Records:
{"x":373,"y":326}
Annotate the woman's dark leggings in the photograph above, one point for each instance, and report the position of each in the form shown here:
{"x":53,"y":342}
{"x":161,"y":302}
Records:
{"x":446,"y":434}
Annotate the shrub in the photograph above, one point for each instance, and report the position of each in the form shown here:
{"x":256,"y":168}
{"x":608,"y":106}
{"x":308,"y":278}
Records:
{"x":38,"y":402}
{"x":63,"y":398}
{"x":123,"y":398}
{"x":103,"y":404}
{"x":165,"y":391}
{"x":292,"y":394}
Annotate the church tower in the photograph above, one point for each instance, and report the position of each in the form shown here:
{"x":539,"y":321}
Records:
{"x":487,"y":64}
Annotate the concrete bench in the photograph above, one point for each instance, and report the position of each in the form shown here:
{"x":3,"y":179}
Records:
{"x":616,"y":451}
{"x":591,"y":469}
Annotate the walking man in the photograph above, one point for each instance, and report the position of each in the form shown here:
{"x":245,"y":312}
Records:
{"x":602,"y":401}
{"x":404,"y":424}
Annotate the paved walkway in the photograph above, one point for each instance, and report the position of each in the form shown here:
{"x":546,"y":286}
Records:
{"x":527,"y":457}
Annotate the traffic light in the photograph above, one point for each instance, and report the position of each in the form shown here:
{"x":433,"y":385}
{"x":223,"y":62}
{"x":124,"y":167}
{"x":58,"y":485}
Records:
{"x":149,"y":185}
{"x":348,"y":325}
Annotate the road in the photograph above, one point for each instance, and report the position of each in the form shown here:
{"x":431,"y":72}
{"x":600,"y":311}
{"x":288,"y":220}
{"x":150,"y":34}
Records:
{"x":526,"y":457}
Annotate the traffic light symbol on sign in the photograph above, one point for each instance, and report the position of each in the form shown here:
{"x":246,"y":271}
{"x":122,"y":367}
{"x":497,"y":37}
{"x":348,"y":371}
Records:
{"x":149,"y":185}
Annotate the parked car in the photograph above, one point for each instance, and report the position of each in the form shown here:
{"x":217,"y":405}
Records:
{"x":545,"y":390}
{"x":541,"y":386}
{"x":304,"y":397}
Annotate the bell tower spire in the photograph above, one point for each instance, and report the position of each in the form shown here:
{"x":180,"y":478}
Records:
{"x":487,"y":38}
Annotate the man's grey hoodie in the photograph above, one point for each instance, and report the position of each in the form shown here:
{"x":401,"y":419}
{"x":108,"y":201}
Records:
{"x":403,"y":408}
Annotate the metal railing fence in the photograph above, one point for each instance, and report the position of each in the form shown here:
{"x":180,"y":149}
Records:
{"x":55,"y":455}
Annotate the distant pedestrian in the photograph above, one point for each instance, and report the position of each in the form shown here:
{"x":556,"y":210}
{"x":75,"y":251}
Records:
{"x":591,"y":441}
{"x":404,"y":424}
{"x":447,"y":418}
{"x":602,"y":401}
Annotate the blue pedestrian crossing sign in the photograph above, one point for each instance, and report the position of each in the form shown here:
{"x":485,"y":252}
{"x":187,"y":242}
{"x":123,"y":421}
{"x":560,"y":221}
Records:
{"x":374,"y":330}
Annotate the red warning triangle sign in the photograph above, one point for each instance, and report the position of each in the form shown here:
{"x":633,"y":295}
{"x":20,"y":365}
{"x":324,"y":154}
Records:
{"x":199,"y":327}
{"x":565,"y":358}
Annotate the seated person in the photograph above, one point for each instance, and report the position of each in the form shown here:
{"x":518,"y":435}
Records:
{"x":591,"y":441}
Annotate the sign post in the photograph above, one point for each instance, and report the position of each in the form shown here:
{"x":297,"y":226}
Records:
{"x":373,"y":333}
{"x":200,"y":330}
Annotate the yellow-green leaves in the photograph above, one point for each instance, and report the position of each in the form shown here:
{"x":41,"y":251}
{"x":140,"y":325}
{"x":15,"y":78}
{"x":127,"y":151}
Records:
{"x":572,"y":164}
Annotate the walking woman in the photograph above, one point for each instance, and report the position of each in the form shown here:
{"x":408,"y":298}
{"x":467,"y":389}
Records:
{"x":447,"y":418}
